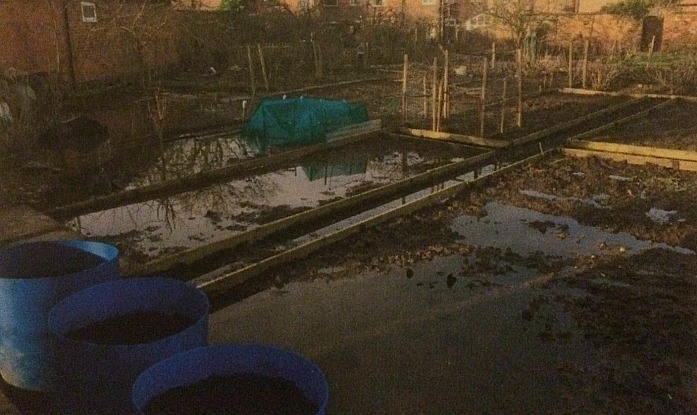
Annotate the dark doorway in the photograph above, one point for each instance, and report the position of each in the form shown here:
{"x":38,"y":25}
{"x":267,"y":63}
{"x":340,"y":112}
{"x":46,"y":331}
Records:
{"x":652,"y":34}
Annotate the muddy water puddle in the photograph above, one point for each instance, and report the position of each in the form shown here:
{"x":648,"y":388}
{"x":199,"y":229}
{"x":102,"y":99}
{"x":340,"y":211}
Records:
{"x":480,"y":333}
{"x":196,"y":218}
{"x":440,"y":337}
{"x":526,"y":231}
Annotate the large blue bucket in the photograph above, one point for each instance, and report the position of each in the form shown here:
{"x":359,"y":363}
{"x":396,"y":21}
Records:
{"x":34,"y":276}
{"x":96,"y":378}
{"x":228,"y":359}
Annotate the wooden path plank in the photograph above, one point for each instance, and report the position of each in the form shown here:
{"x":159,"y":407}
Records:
{"x":646,"y":151}
{"x":685,"y":165}
{"x":459,"y":138}
{"x":581,"y":91}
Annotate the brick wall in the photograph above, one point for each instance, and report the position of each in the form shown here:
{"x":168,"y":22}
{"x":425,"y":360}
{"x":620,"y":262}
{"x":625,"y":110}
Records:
{"x":679,"y":31}
{"x":32,"y":36}
{"x":604,"y":31}
{"x":125,"y":38}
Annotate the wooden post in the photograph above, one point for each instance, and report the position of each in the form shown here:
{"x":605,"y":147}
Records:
{"x":502,"y":123}
{"x":652,"y":44}
{"x":446,"y":97}
{"x":251,"y":71}
{"x":263,"y":67}
{"x":320,"y":66}
{"x":571,"y":65}
{"x":439,"y":112}
{"x":493,"y":55}
{"x":482,"y":98}
{"x":425,"y":97}
{"x":584,"y":70}
{"x":519,"y":75}
{"x":433,"y":94}
{"x":404,"y":87}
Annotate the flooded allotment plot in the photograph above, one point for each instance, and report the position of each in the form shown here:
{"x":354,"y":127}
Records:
{"x":566,"y":286}
{"x":192,"y":219}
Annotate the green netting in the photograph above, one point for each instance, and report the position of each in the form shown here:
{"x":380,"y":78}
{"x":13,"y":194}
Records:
{"x":295,"y":122}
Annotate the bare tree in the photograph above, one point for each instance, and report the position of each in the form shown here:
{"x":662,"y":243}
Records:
{"x":523,"y":19}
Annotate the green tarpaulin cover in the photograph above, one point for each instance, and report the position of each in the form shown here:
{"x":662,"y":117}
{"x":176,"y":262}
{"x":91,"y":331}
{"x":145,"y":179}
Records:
{"x":300,"y":121}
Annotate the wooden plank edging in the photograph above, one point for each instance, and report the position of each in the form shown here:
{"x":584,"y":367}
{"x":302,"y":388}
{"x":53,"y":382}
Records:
{"x":681,"y":155}
{"x":684,"y":165}
{"x":459,"y":138}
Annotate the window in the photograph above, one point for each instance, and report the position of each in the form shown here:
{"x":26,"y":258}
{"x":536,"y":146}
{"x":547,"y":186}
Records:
{"x":377,"y":3}
{"x":331,"y":3}
{"x":428,"y":2}
{"x":478,"y":21}
{"x":89,"y":12}
{"x":354,"y":3}
{"x":305,"y":4}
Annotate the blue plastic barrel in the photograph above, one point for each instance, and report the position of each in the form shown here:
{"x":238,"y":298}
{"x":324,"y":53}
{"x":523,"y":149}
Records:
{"x":97,"y":378}
{"x":34,"y":276}
{"x":228,"y":359}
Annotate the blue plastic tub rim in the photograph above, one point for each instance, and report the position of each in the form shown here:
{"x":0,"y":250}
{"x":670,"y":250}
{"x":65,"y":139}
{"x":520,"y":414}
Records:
{"x":109,"y":254}
{"x":195,"y":365}
{"x":60,"y":322}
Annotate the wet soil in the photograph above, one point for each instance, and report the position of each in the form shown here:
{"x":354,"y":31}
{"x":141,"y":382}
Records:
{"x":132,"y":328}
{"x":636,"y":308}
{"x":242,"y":394}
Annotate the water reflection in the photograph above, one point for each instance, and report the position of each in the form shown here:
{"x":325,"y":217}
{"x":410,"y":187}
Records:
{"x":216,"y":212}
{"x":527,"y":231}
{"x":191,"y":156}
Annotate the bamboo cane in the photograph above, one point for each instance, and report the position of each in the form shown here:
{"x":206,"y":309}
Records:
{"x":571,"y":65}
{"x":502,"y":122}
{"x":251,"y":71}
{"x":482,"y":98}
{"x":433,"y":94}
{"x":404,"y":87}
{"x":584,"y":70}
{"x":519,"y":75}
{"x":263,"y":67}
{"x":425,"y":95}
{"x":446,"y":94}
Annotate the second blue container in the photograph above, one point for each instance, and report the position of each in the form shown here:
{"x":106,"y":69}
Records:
{"x":97,"y":378}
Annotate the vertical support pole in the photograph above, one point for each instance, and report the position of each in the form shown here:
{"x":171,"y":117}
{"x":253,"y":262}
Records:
{"x":439,"y":112}
{"x":263,"y":67}
{"x":502,"y":121}
{"x":519,"y":75}
{"x":446,"y":93}
{"x":571,"y":65}
{"x":252,"y":81}
{"x":584,"y":70}
{"x":482,"y":98}
{"x":425,"y":97}
{"x":652,"y":45}
{"x":493,"y":55}
{"x":404,"y":87}
{"x":433,"y":94}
